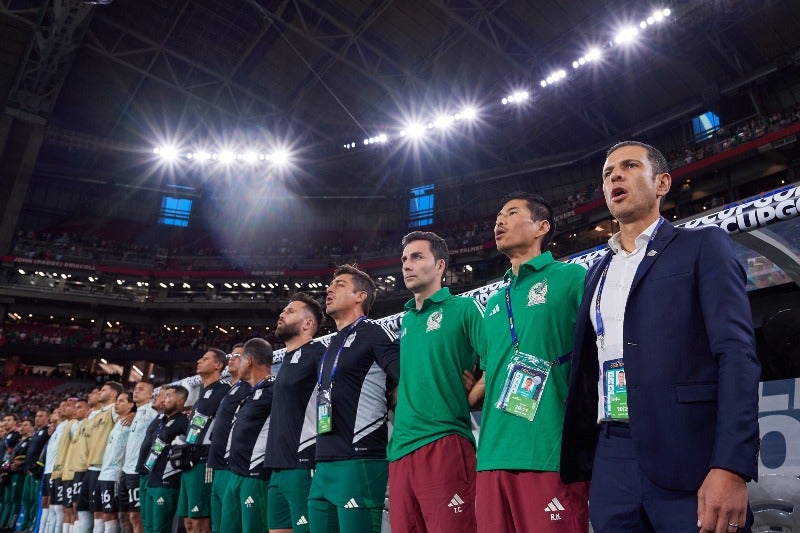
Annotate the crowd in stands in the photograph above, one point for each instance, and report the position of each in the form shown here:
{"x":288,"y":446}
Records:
{"x":23,"y":395}
{"x":192,"y":340}
{"x":726,"y":138}
{"x":282,"y":254}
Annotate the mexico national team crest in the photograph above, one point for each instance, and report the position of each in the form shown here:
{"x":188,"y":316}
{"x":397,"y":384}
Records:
{"x":434,"y":321}
{"x":538,"y":293}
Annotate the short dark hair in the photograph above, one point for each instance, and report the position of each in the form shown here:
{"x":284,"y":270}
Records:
{"x":219,"y":356}
{"x":259,"y":350}
{"x":12,"y":415}
{"x":313,"y":306}
{"x":237,"y":345}
{"x":180,"y":390}
{"x":540,"y":210}
{"x":437,"y":244}
{"x":362,"y":282}
{"x":115,"y":386}
{"x":654,"y":155}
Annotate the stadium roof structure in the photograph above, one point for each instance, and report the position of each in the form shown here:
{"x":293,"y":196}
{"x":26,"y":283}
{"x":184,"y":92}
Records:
{"x":112,"y":79}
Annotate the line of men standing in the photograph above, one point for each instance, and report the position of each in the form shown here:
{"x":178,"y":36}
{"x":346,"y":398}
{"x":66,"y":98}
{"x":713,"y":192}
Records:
{"x":310,"y":449}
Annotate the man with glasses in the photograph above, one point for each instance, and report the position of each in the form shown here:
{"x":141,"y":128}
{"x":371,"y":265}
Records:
{"x":220,"y":437}
{"x":244,"y":507}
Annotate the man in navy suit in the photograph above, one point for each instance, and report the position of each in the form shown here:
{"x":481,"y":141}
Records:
{"x":662,"y":411}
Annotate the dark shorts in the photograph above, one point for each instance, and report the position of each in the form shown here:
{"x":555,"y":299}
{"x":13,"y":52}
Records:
{"x":47,"y":488}
{"x":128,"y":493}
{"x":83,"y":497}
{"x":104,"y":498}
{"x":69,"y":491}
{"x":57,"y":492}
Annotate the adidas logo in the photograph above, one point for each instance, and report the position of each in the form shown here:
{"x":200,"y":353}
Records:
{"x":553,"y":507}
{"x":160,"y":501}
{"x":195,"y":509}
{"x":302,"y":521}
{"x":351,"y":504}
{"x":455,"y":503}
{"x":249,"y":501}
{"x":495,"y":310}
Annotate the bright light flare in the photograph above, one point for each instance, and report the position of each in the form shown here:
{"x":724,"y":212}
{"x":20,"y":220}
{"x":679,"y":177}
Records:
{"x":227,"y":156}
{"x":468,"y":113}
{"x":280,"y":158}
{"x":415,"y":130}
{"x":626,"y":35}
{"x":167,"y":153}
{"x":444,"y":121}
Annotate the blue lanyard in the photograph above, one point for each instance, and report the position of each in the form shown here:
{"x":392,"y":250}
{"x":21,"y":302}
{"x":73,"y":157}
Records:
{"x":512,"y":329}
{"x":338,"y":353}
{"x":601,"y":330}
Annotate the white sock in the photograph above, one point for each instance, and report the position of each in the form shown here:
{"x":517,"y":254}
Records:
{"x":56,"y":519}
{"x":66,"y":528}
{"x":43,"y":519}
{"x":99,"y":525}
{"x":112,"y":526}
{"x":84,"y":522}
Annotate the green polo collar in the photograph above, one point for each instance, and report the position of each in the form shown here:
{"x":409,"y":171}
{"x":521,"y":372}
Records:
{"x":437,"y":297}
{"x":537,"y":263}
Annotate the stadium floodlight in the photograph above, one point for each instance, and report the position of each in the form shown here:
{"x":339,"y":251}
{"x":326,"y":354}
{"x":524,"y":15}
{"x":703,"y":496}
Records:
{"x":504,"y":100}
{"x":250,"y":157}
{"x":167,"y":153}
{"x":202,"y":156}
{"x":210,"y":285}
{"x":226,"y":156}
{"x":652,"y":20}
{"x":469,"y":113}
{"x":593,"y":54}
{"x":415,"y":130}
{"x":626,"y":35}
{"x":643,"y":24}
{"x":666,"y":12}
{"x":518,"y":96}
{"x":366,"y":142}
{"x":443,"y":121}
{"x":280,"y":157}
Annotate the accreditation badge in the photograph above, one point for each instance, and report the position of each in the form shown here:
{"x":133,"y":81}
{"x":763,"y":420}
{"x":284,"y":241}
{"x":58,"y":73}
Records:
{"x":525,"y":380}
{"x":615,"y":390}
{"x":155,"y":451}
{"x":196,"y":426}
{"x":324,"y":412}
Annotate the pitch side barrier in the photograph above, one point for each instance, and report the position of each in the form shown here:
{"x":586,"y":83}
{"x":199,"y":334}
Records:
{"x":743,"y":216}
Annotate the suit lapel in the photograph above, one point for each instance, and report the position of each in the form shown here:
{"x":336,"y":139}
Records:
{"x":665,"y":234}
